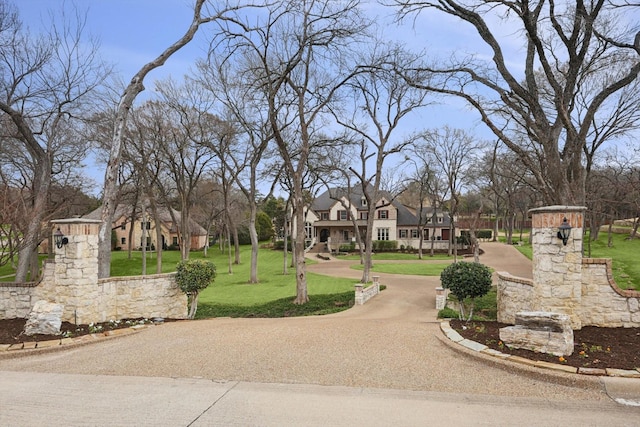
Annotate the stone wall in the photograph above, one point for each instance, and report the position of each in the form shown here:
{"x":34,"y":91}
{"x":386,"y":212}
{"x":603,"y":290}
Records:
{"x":72,"y":280}
{"x":564,"y":282}
{"x":141,"y":296}
{"x":362,"y":294}
{"x":16,"y":300}
{"x":603,"y":302}
{"x":514,"y":295}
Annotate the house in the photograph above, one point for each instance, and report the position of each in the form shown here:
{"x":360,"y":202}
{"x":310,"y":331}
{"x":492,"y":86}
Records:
{"x":329,"y":221}
{"x":122,"y":226}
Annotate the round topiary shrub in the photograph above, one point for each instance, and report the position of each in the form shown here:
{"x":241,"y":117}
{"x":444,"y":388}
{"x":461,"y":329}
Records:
{"x":466,"y":280}
{"x":192,"y":276}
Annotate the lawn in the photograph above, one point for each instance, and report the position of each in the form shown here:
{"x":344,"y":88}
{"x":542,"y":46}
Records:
{"x":230,"y":295}
{"x":417,"y":269}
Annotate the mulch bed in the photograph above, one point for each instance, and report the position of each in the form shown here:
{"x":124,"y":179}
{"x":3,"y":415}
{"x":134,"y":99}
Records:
{"x":11,"y":330}
{"x":594,"y":347}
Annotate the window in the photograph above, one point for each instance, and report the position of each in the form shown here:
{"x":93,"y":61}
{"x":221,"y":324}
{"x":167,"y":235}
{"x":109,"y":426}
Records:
{"x":439,"y":220}
{"x":343,"y":215}
{"x":123,"y":226}
{"x":363,"y":201}
{"x":175,"y":240}
{"x":123,"y":241}
{"x":383,"y":214}
{"x":425,"y":233}
{"x":345,"y":235}
{"x":364,"y":215}
{"x":145,"y":225}
{"x":414,"y":234}
{"x":429,"y":220}
{"x":324,"y":216}
{"x":402,"y":233}
{"x":383,"y":234}
{"x":308,"y":230}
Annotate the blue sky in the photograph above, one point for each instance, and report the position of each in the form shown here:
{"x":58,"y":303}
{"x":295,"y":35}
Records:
{"x":133,"y":32}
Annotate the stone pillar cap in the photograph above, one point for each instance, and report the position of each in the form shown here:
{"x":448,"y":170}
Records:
{"x":558,"y":208}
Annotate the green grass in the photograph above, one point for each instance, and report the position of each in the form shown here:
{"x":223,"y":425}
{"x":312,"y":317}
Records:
{"x":624,"y":253}
{"x":283,"y":307}
{"x":418,"y":269}
{"x":398,"y":256}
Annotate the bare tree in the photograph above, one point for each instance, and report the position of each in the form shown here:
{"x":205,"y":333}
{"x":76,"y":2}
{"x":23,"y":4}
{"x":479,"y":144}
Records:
{"x":426,"y":187}
{"x":201,"y":16}
{"x":297,"y":55}
{"x":579,"y":62}
{"x":381,"y":100}
{"x":45,"y":92}
{"x":246,"y":153}
{"x":452,"y":152}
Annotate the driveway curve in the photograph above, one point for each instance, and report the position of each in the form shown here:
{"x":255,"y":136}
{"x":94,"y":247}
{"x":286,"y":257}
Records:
{"x":391,"y":342}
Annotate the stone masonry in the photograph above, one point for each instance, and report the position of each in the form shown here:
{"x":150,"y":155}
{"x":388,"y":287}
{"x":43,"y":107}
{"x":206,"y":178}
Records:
{"x":564,"y":282}
{"x":72,"y":280}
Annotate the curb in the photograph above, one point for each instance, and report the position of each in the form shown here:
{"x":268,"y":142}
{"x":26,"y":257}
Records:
{"x":456,"y":338}
{"x":11,"y":350}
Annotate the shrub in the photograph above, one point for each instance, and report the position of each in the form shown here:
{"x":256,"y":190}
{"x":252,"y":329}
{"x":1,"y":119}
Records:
{"x":192,"y":276}
{"x":466,"y":280}
{"x":484,"y":234}
{"x":448,"y":313}
{"x":347,"y":248}
{"x":384,"y":245}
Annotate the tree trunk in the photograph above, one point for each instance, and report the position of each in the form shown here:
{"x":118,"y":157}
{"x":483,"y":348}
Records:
{"x":110,"y":189}
{"x":302,"y":296}
{"x":236,"y":246}
{"x":253,"y":234}
{"x":42,"y":181}
{"x":143,"y":242}
{"x":285,"y":232}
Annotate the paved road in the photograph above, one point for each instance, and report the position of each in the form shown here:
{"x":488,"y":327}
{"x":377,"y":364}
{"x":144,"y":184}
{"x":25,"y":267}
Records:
{"x":389,"y":351}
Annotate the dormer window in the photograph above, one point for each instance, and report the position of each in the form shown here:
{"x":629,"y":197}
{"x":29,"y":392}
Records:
{"x":363,"y":201}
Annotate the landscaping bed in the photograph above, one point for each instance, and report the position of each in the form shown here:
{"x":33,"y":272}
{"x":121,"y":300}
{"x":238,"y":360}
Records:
{"x":594,"y":347}
{"x":11,"y":330}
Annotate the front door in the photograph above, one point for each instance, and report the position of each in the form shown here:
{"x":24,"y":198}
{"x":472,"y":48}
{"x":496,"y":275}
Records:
{"x":324,"y":235}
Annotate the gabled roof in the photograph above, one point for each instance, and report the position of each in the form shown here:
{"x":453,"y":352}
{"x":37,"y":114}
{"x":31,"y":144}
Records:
{"x":406,"y":216}
{"x":326,"y":200}
{"x":164,"y":214}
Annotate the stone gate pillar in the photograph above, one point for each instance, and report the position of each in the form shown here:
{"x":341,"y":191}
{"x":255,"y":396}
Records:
{"x":76,"y":269}
{"x":557,"y":269}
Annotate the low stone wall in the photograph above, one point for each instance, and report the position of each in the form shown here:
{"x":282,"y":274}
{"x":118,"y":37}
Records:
{"x":113,"y":298}
{"x":16,"y":300}
{"x":141,"y":296}
{"x":604,"y":304}
{"x":365,"y":294}
{"x":515,"y":294}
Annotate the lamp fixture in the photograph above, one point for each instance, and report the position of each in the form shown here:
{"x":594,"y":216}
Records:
{"x":59,"y":238}
{"x":564,"y":231}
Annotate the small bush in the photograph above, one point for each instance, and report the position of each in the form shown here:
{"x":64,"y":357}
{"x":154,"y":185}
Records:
{"x":448,"y":313}
{"x":192,"y":276}
{"x":484,"y":234}
{"x":466,"y":280}
{"x":347,"y":248}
